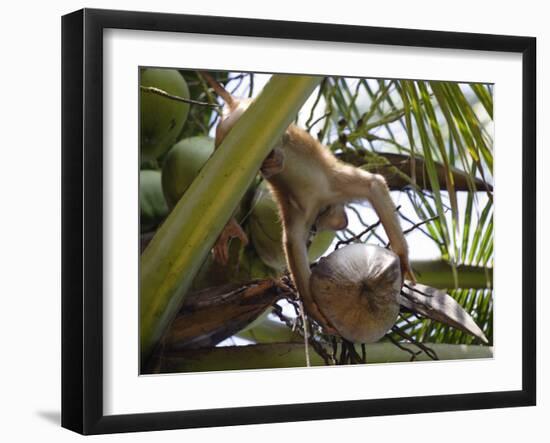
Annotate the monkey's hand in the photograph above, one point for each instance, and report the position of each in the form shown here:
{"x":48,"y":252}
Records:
{"x":273,"y":164}
{"x":221,"y":248}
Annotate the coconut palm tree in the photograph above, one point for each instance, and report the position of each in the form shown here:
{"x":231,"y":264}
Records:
{"x":431,"y":140}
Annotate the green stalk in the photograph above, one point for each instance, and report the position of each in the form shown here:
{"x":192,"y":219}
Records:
{"x":175,"y":254}
{"x":265,"y":330}
{"x":289,"y":355}
{"x":439,"y":274}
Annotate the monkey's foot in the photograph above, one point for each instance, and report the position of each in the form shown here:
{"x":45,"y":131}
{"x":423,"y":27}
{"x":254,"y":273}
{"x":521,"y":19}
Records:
{"x":273,"y":164}
{"x":221,"y":248}
{"x":406,"y":270}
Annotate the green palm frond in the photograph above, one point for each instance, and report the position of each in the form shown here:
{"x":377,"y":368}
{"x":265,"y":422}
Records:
{"x":449,"y":127}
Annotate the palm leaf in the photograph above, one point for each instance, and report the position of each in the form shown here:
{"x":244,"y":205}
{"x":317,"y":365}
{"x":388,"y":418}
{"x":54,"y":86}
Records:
{"x":438,"y":123}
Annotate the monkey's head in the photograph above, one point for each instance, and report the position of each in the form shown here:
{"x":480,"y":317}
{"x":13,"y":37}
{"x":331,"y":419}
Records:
{"x":231,"y":114}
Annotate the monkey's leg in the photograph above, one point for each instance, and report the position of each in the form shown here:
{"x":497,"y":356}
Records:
{"x":359,"y":184}
{"x":295,"y":237}
{"x":231,"y":230}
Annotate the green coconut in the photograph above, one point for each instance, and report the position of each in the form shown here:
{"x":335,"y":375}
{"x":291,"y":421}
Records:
{"x":152,"y":205}
{"x":182,"y":164}
{"x":266,"y":232}
{"x":243,"y":266}
{"x":161,"y":118}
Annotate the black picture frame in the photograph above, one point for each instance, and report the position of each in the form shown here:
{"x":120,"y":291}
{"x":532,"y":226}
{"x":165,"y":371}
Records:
{"x":82,"y":220}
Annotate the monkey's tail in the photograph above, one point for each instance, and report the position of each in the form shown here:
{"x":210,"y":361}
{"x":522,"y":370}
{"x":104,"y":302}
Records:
{"x":219,"y":89}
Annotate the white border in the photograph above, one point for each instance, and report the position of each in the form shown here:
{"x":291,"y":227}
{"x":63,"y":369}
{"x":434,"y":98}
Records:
{"x":126,"y":392}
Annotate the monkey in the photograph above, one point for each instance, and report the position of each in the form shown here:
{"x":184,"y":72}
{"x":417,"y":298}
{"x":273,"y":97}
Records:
{"x":311,"y":188}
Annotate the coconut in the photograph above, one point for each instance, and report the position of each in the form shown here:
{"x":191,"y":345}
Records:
{"x":161,"y":118}
{"x":182,"y":164}
{"x":357,"y":288}
{"x":152,"y":206}
{"x":266,"y":232}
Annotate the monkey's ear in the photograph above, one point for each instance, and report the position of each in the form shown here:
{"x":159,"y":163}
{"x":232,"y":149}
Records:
{"x":334,"y":218}
{"x":286,"y":137}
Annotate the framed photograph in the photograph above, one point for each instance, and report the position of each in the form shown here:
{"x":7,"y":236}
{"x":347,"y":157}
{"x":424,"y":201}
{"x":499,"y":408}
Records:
{"x":270,"y":221}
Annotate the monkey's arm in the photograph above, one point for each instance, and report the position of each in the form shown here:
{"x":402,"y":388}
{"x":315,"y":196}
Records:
{"x":373,"y":187}
{"x":294,"y":241}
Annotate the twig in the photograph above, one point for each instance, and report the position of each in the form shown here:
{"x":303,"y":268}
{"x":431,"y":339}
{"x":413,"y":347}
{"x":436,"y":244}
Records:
{"x":405,"y":319}
{"x":403,"y":348}
{"x":340,"y":236}
{"x":426,"y":233}
{"x":321,"y":351}
{"x":334,"y":343}
{"x":357,"y":237}
{"x":306,"y":337}
{"x":250,"y":85}
{"x":199,"y":123}
{"x":157,"y":91}
{"x":239,"y":78}
{"x":426,"y":194}
{"x":357,"y":213}
{"x":316,"y":102}
{"x":293,"y":323}
{"x":415,"y":289}
{"x":355,"y":357}
{"x":343,"y":355}
{"x":420,"y":223}
{"x":349,"y":354}
{"x":325,"y":115}
{"x":429,"y":352}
